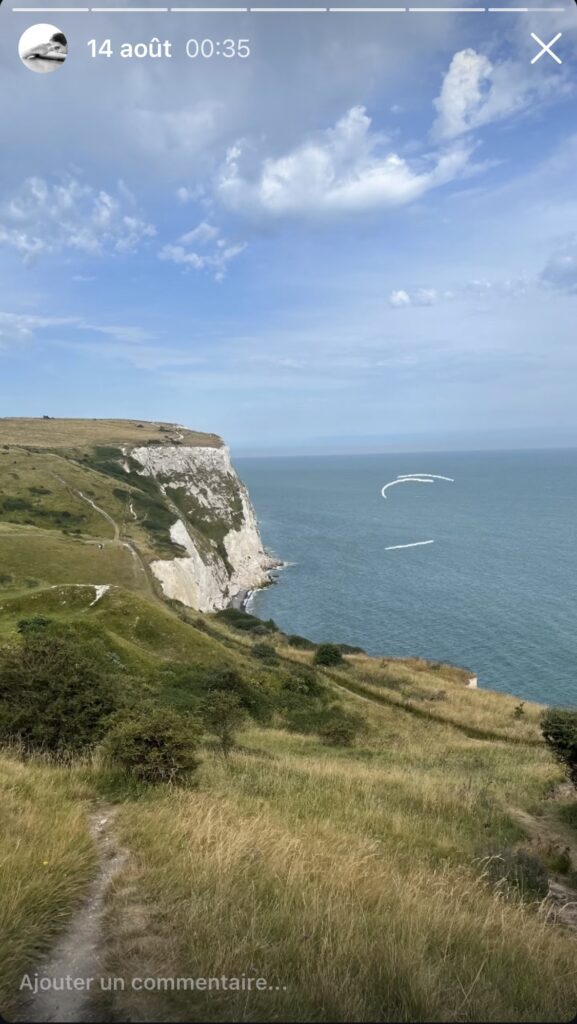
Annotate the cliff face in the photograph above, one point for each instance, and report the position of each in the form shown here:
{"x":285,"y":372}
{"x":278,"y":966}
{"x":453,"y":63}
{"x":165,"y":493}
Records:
{"x":214,"y":525}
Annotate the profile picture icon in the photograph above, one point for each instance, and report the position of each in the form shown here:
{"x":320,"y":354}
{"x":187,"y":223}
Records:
{"x":43,"y":48}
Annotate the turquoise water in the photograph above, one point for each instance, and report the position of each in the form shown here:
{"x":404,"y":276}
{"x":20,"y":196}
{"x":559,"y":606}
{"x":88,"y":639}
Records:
{"x":496,"y":592}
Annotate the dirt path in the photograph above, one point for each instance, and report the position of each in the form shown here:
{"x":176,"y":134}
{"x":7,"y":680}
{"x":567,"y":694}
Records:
{"x":137,"y":557}
{"x":83,"y":497}
{"x":139,"y":563}
{"x":101,"y":512}
{"x":78,"y":951}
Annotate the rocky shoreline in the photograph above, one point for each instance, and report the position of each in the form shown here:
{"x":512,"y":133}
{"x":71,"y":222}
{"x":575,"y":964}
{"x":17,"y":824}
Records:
{"x":241,"y":600}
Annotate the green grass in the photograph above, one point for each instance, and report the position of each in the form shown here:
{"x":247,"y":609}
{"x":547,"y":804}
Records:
{"x":28,"y":560}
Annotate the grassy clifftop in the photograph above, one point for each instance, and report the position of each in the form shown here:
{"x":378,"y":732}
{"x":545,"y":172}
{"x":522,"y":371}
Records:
{"x":76,"y":507}
{"x":52,"y":432}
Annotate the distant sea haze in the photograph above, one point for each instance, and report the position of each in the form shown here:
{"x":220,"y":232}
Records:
{"x":496,"y":592}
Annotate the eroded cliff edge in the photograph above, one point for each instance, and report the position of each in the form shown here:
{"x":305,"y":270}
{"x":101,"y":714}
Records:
{"x":127,"y":503}
{"x":215,"y":526}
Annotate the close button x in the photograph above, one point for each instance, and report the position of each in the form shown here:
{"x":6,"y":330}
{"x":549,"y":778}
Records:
{"x":546,"y":48}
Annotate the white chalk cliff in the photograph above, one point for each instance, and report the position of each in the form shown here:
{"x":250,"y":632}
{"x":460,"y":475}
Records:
{"x":215,"y":526}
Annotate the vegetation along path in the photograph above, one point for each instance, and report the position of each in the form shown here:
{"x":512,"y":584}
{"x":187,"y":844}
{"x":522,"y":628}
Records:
{"x":78,"y":952}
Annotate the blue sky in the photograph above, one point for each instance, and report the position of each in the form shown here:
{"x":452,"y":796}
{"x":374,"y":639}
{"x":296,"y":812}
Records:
{"x":365,"y":235}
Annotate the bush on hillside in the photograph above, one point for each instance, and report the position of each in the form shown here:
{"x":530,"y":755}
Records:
{"x":328,"y":655}
{"x":255,"y":700}
{"x":158,"y":745}
{"x":342,"y":728}
{"x":265,"y":652}
{"x":57,"y":687}
{"x":242,"y":620}
{"x":334,"y":725}
{"x":300,"y":642}
{"x":304,"y":685}
{"x":559,"y":727}
{"x":35,"y":624}
{"x":223,"y":715}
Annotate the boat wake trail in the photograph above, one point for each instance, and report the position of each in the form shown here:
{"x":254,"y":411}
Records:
{"x":405,"y":480}
{"x":415,"y":544}
{"x":423,"y":476}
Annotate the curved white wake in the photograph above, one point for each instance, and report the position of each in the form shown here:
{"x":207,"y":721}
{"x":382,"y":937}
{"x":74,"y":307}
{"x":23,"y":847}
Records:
{"x":429,"y":476}
{"x":405,"y":480}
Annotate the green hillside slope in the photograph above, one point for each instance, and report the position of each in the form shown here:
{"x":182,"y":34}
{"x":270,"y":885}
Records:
{"x":400,"y":875}
{"x":73,"y":509}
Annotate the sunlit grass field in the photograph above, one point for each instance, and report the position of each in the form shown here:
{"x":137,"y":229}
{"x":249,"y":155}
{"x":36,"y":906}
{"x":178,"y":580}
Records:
{"x":352,"y":880}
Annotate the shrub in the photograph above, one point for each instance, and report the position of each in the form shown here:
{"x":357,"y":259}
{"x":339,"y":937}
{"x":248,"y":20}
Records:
{"x":158,"y":745}
{"x":300,"y":642}
{"x":303,"y":685}
{"x":342,"y":728}
{"x":239,"y":619}
{"x":223,"y":714}
{"x":559,"y":727}
{"x":265,"y":652}
{"x":35,"y":624}
{"x":255,"y":700}
{"x":56,"y":687}
{"x":328,"y":654}
{"x":332,"y":723}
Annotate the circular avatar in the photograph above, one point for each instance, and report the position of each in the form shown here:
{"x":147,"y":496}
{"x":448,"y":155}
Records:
{"x":43,"y":48}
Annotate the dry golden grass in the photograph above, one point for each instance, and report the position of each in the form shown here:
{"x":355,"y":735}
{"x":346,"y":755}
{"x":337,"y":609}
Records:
{"x":416,"y":688}
{"x":341,"y":928}
{"x":74,"y":433}
{"x":350,"y":879}
{"x":46,"y":860}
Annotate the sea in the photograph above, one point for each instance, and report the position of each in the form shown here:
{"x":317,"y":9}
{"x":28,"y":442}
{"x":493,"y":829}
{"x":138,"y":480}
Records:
{"x":496,"y":591}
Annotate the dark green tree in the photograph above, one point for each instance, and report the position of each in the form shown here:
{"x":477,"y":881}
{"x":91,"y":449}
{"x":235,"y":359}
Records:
{"x":223,"y":715}
{"x":559,"y":727}
{"x":57,"y":687}
{"x":328,"y":655}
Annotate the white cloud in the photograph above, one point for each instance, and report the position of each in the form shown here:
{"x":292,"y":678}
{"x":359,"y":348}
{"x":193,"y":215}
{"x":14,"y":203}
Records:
{"x":401,"y":299}
{"x":26,"y":327}
{"x":21,"y":327}
{"x":203,"y":233}
{"x":347,"y":169}
{"x":44,"y":219}
{"x":216,"y":252}
{"x":476,"y":92}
